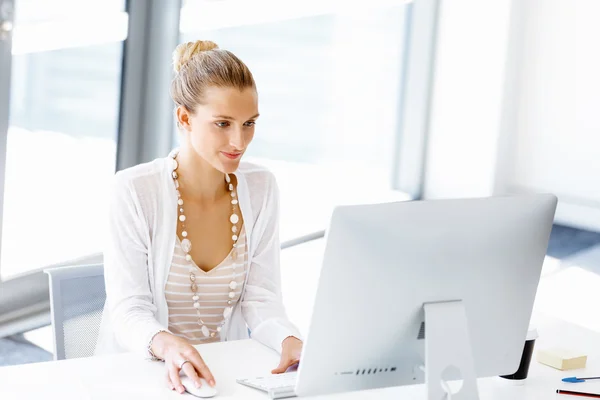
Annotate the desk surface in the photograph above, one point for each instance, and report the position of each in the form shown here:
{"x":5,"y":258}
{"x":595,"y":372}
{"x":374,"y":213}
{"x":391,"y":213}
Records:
{"x":126,"y":376}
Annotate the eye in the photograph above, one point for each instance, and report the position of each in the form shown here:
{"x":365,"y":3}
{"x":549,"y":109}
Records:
{"x":222,"y":124}
{"x":250,"y":123}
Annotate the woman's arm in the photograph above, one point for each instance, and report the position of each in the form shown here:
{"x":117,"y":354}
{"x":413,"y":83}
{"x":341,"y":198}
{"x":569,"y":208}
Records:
{"x":262,"y":305}
{"x":128,"y":294}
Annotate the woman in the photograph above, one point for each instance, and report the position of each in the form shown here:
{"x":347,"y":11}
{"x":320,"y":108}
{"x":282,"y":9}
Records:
{"x":193,"y":251}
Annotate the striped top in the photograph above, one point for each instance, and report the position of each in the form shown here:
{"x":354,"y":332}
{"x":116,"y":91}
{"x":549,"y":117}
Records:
{"x":213,"y":290}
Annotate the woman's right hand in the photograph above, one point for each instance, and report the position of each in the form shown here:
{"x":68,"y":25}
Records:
{"x":174,"y":350}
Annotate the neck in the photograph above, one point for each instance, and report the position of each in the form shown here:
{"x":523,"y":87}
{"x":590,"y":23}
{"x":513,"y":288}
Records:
{"x":199,"y":181}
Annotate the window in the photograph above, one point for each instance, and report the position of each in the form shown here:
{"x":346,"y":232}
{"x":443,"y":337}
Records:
{"x":63,"y":124}
{"x":329,"y":82}
{"x":331,"y":77}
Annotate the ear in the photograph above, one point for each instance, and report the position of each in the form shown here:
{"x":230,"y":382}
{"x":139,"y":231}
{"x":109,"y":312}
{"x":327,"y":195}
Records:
{"x":184,"y":118}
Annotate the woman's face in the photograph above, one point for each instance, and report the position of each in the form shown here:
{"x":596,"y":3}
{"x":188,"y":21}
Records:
{"x":222,"y":127}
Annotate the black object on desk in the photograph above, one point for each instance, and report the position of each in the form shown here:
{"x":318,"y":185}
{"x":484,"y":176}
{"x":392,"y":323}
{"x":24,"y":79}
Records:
{"x":582,"y":394}
{"x":523,"y":370}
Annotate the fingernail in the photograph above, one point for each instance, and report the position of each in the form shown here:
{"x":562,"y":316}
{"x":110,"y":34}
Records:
{"x":198,"y":384}
{"x":181,"y":389}
{"x":212,"y":382}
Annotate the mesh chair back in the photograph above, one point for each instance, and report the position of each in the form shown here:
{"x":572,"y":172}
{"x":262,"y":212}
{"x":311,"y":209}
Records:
{"x":77,"y":297}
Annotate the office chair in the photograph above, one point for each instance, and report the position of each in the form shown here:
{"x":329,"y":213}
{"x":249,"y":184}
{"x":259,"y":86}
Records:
{"x":77,"y":298}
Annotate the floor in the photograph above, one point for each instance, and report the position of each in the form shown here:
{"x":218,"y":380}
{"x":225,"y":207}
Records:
{"x":18,"y":350}
{"x":568,"y":245}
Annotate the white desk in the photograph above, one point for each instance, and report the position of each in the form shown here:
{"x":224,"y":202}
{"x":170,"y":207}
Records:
{"x":126,"y":376}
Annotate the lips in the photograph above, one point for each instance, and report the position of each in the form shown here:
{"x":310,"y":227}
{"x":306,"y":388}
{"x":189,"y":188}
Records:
{"x":232,"y":156}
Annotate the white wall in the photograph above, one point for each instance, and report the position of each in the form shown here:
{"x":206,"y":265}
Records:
{"x":516,"y":103}
{"x":557,"y":137}
{"x":467,"y":97}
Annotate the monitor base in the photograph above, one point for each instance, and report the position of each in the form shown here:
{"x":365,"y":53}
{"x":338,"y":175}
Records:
{"x":447,"y":347}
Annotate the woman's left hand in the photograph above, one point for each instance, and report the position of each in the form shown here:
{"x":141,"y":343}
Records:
{"x":290,"y":354}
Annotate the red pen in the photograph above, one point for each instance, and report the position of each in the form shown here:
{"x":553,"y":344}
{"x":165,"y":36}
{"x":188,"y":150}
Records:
{"x":582,"y":394}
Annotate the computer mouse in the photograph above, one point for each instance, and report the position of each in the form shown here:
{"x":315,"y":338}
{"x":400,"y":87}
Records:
{"x":205,"y":391}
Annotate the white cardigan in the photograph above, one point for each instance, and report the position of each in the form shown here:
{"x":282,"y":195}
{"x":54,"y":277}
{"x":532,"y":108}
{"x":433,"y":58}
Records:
{"x":142,"y":232}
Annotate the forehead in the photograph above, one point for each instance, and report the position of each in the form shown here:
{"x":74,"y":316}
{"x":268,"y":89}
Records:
{"x":231,"y":102}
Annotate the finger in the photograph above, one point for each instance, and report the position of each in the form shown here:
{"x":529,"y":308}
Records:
{"x":294,"y":367}
{"x":169,"y":383}
{"x":189,"y":370}
{"x":283,"y":365}
{"x":175,"y":380}
{"x":202,"y":368}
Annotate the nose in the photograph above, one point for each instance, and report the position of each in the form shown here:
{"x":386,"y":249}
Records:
{"x":237,"y":140}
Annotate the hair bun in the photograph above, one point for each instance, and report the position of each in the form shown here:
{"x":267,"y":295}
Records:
{"x":185,"y":51}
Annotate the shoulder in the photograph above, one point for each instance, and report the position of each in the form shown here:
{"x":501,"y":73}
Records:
{"x":139,"y":191}
{"x":258,"y":186}
{"x":259,"y":179}
{"x":141,"y":178}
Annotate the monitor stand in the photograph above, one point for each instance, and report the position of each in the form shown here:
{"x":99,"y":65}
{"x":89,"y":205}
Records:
{"x":447,"y":344}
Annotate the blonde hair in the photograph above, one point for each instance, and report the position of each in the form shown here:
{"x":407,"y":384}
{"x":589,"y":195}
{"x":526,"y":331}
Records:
{"x":201,"y":64}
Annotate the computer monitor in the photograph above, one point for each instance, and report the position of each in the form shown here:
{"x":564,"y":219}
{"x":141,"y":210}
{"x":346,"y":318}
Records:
{"x":409,"y":288}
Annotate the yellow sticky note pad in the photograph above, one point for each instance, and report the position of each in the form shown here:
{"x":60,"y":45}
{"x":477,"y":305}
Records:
{"x":561,"y":359}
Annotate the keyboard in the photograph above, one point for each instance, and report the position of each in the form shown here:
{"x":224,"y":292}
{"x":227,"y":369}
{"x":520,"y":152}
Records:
{"x":280,"y":386}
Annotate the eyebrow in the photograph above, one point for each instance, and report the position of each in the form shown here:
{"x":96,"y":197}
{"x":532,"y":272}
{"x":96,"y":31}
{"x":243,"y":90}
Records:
{"x":231,"y":118}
